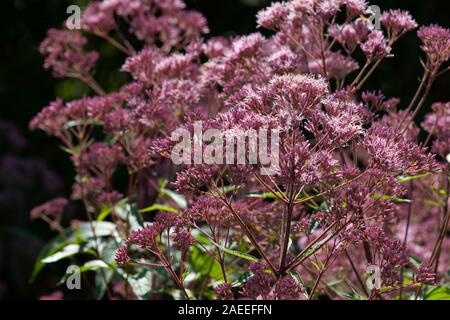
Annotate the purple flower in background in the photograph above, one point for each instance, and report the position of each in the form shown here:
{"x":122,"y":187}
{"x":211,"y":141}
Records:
{"x":53,"y":208}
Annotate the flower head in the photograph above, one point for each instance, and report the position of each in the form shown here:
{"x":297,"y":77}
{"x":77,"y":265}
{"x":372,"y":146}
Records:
{"x":52,"y":208}
{"x":376,"y":46}
{"x":426,"y":275}
{"x":436,"y":44}
{"x":224,"y":292}
{"x":300,"y":92}
{"x":437,"y":124}
{"x":398,"y":22}
{"x":183,"y":240}
{"x":98,"y":17}
{"x":355,"y":7}
{"x":121,"y":257}
{"x":271,"y":17}
{"x":145,"y":237}
{"x":396,"y":154}
{"x":51,"y":119}
{"x":64,"y":55}
{"x":142,"y":65}
{"x":260,"y":284}
{"x":287,"y":288}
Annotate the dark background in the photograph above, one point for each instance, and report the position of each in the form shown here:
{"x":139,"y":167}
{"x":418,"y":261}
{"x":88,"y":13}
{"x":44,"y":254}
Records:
{"x":32,"y":167}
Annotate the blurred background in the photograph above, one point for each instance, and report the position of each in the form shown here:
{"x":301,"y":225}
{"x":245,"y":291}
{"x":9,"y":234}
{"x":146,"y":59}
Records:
{"x":34,"y":169}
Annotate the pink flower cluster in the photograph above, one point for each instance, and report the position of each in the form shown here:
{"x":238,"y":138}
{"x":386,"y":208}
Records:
{"x":354,"y":186}
{"x":64,"y":54}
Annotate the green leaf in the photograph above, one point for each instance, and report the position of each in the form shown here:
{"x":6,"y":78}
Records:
{"x":179,"y":199}
{"x":101,"y":228}
{"x":290,"y":243}
{"x":67,"y":251}
{"x":49,"y":249}
{"x":390,"y":198}
{"x":92,"y":265}
{"x":130,"y":213}
{"x":107,"y":250}
{"x":351,"y":295}
{"x":57,"y":249}
{"x":415,"y":261}
{"x":235,"y":253}
{"x":158,"y":207}
{"x":104,"y":213}
{"x":265,"y":195}
{"x":76,"y":123}
{"x":324,"y":206}
{"x":204,"y":264}
{"x":415,"y":177}
{"x":141,"y":284}
{"x":95,"y":265}
{"x":312,"y":206}
{"x":314,"y":226}
{"x":316,"y":246}
{"x":72,"y":151}
{"x":102,"y":280}
{"x":225,"y":190}
{"x":243,"y":278}
{"x":438,"y":293}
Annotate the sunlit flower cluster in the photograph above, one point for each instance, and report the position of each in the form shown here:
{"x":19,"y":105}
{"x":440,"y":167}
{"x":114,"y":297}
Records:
{"x":356,"y":186}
